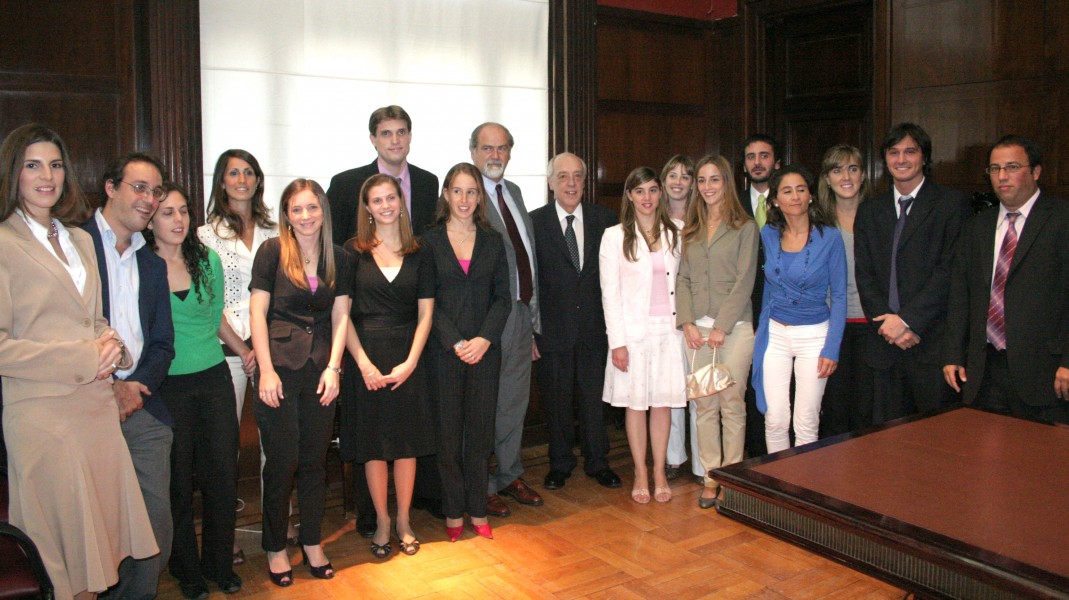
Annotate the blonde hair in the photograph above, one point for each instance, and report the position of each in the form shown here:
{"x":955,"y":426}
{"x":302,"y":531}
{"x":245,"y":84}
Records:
{"x":837,"y":156}
{"x":732,"y":214}
{"x":292,"y":261}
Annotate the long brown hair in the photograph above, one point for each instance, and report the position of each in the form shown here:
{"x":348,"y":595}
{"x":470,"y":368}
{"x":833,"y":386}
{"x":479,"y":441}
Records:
{"x":219,"y":203}
{"x":682,"y":160}
{"x":818,"y":218}
{"x":732,"y":214}
{"x":441,"y":214}
{"x":292,"y":261}
{"x":838,"y":156}
{"x":365,"y":238}
{"x":629,"y":219}
{"x":71,"y":209}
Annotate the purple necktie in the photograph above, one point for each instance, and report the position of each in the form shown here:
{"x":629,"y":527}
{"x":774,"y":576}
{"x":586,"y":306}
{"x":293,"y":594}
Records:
{"x":903,"y":207}
{"x":996,"y":310}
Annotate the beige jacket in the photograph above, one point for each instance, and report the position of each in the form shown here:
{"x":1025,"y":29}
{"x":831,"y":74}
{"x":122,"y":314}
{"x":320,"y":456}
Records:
{"x":716,"y":278}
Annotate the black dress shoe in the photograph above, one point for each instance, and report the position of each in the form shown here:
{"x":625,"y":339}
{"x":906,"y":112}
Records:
{"x":430,"y":505}
{"x":194,"y":591}
{"x":229,"y":583}
{"x":672,"y":472}
{"x":366,"y":526}
{"x":607,"y":478}
{"x":555,"y":480}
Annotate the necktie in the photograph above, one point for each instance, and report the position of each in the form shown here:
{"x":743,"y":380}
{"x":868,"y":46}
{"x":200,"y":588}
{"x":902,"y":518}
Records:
{"x":761,"y":214}
{"x":573,"y":244}
{"x":523,"y":262}
{"x":996,"y":310}
{"x":903,"y":208}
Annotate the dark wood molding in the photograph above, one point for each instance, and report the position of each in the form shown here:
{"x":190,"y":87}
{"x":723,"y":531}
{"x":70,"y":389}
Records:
{"x":171,"y":109}
{"x":573,"y":83}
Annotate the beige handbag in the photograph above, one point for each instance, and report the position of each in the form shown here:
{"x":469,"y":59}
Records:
{"x":708,"y":380}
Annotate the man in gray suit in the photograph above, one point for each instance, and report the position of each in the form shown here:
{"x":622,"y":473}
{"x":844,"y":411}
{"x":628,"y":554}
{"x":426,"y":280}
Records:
{"x":491,"y":147}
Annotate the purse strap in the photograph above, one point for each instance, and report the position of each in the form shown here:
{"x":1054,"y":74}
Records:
{"x":694,"y":355}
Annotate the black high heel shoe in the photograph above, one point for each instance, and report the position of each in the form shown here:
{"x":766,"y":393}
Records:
{"x":324,"y":572}
{"x":410,"y":548}
{"x":284,"y":579}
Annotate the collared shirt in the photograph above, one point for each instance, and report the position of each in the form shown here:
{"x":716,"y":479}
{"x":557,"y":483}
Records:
{"x":491,"y":191}
{"x":577,"y":226}
{"x":406,"y":182}
{"x":124,"y":286}
{"x":237,"y":269}
{"x":1002,"y":226}
{"x":73,"y":264}
{"x":754,"y":196}
{"x":913,"y":194}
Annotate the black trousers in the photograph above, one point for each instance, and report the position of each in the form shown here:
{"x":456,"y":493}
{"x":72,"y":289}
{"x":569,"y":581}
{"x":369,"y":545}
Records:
{"x":467,"y":406}
{"x":906,"y":388}
{"x":998,"y":393}
{"x":294,"y":438}
{"x":205,"y":449}
{"x":572,"y":381}
{"x":847,"y":404}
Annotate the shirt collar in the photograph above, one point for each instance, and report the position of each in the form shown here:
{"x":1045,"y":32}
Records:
{"x":563,"y":214}
{"x":1025,"y":209}
{"x":912,"y":193}
{"x":384,"y":168}
{"x":108,"y":234}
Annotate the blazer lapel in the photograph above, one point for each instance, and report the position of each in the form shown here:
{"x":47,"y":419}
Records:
{"x":918,"y":213}
{"x":43,"y":257}
{"x":1037,"y":219}
{"x":590,"y":251}
{"x":987,"y":243}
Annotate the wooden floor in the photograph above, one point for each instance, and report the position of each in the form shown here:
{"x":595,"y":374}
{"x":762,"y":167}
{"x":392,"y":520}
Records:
{"x":585,"y":542}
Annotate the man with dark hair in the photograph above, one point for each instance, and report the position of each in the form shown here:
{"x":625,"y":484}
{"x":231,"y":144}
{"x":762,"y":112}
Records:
{"x":1007,"y":341}
{"x":491,"y":145}
{"x":136,"y":301}
{"x":391,"y":135}
{"x":760,"y":159}
{"x":573,"y":341}
{"x":903,"y":243}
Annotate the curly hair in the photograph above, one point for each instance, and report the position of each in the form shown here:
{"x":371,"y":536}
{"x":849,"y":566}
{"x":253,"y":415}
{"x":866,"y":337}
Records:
{"x":194,"y":252}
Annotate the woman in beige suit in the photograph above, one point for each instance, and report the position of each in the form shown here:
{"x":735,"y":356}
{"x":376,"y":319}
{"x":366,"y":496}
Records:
{"x":73,"y":487}
{"x":716,"y":277}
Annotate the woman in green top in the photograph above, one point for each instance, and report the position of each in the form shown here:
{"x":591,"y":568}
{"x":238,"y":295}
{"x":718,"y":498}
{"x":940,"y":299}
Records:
{"x":200,"y":397}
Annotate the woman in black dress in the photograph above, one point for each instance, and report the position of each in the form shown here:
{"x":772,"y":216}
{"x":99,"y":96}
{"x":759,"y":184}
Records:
{"x":472,"y":302}
{"x":299,"y":313}
{"x":392,"y":305}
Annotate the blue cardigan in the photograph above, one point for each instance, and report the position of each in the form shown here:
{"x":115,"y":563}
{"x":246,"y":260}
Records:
{"x":799,"y":293}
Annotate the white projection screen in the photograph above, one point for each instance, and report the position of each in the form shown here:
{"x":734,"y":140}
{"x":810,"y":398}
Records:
{"x":294,"y":82}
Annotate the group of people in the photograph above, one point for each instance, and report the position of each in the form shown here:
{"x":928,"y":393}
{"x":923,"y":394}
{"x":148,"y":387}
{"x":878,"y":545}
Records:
{"x":128,"y":340}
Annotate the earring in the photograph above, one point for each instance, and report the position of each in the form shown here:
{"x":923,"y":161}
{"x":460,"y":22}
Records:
{"x":370,"y":219}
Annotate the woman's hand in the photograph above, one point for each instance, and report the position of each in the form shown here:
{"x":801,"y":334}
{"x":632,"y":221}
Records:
{"x":328,"y":386}
{"x":473,"y":350}
{"x":248,"y":363}
{"x":399,"y":374}
{"x":109,"y":353}
{"x":373,"y":379}
{"x":716,"y":338}
{"x":620,"y":358}
{"x":692,"y":336}
{"x":825,"y":367}
{"x":270,"y":388}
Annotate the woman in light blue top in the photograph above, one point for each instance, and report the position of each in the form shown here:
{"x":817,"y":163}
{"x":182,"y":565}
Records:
{"x":798,"y":328}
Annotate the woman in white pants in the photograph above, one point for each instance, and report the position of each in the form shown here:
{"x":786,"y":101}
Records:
{"x":716,"y":277}
{"x":805,"y":266}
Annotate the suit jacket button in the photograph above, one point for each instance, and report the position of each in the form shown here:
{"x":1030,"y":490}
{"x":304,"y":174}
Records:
{"x":79,"y":378}
{"x":308,"y":330}
{"x":86,"y":323}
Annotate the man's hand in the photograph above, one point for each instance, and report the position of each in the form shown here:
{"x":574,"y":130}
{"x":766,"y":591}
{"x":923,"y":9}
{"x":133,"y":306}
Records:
{"x":1061,"y":383}
{"x":128,"y":396}
{"x":908,"y":340}
{"x":952,"y":373}
{"x":892,"y":328}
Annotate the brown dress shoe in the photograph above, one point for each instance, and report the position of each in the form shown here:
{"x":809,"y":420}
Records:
{"x":522,"y":493}
{"x":496,"y":507}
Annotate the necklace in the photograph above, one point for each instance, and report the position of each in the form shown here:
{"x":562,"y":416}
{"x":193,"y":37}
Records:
{"x":54,"y":233}
{"x":466,"y":238}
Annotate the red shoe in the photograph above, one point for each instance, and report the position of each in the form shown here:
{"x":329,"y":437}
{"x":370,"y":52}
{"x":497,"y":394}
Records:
{"x":483,"y":530}
{"x":454,"y":533}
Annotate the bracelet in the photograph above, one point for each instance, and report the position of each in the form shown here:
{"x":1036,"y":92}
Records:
{"x":335,"y":369}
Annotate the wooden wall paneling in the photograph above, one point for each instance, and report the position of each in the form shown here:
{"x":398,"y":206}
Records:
{"x":573,"y":82}
{"x":726,"y":89}
{"x":1055,"y":176}
{"x":83,"y":87}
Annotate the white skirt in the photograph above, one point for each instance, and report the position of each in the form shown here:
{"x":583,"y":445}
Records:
{"x":656,"y":370}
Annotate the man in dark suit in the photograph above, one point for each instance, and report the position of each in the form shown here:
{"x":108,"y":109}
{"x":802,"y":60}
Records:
{"x":391,"y":135}
{"x":491,"y":148}
{"x":136,"y":301}
{"x":1007,"y":336}
{"x":903,"y":244}
{"x":573,"y":343}
{"x":760,"y":158}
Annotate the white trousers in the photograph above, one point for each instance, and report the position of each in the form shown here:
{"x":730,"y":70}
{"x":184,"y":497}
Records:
{"x":797,"y":347}
{"x":677,"y":439}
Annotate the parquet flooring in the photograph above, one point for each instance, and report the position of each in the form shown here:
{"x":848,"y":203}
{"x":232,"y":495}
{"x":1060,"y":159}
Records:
{"x":585,"y":542}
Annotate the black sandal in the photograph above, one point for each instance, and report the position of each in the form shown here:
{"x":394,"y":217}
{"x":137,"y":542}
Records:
{"x":410,"y":548}
{"x":381,"y":551}
{"x":324,"y":572}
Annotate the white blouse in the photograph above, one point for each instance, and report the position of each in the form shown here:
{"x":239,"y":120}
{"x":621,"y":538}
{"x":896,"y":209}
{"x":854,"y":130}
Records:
{"x":237,"y":269}
{"x":73,"y":264}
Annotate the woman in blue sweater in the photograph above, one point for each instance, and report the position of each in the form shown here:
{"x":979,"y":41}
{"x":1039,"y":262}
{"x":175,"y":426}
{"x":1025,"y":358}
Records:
{"x":803,"y":309}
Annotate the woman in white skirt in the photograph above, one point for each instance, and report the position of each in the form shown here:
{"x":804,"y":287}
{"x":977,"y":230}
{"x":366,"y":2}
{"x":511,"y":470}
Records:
{"x":645,"y":372}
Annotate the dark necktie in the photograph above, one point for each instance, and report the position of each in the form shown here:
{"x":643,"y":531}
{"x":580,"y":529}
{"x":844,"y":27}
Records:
{"x":903,"y":207}
{"x":996,"y":310}
{"x":573,"y":244}
{"x":523,"y":262}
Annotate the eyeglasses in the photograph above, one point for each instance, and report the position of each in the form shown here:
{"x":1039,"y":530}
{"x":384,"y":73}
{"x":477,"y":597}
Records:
{"x":1010,"y":169}
{"x":144,"y":190}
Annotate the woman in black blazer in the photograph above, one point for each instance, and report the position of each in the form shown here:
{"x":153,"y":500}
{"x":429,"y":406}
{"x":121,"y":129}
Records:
{"x":471,"y":305}
{"x":299,"y":314}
